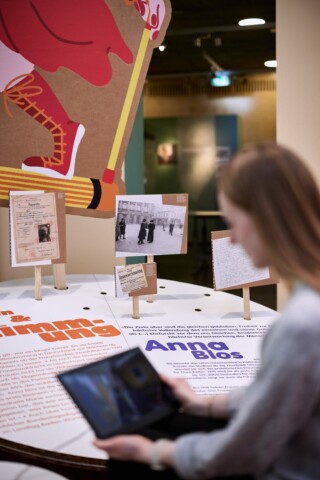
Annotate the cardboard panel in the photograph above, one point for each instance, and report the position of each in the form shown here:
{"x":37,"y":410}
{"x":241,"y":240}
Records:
{"x":71,"y":95}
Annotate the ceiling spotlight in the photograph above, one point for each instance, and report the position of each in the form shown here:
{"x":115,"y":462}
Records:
{"x":220,"y":79}
{"x":162,"y":47}
{"x":246,"y":22}
{"x":271,"y":63}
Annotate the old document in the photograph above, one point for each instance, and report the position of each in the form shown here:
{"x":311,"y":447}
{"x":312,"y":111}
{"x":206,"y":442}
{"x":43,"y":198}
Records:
{"x":131,"y":278}
{"x":35,"y":227}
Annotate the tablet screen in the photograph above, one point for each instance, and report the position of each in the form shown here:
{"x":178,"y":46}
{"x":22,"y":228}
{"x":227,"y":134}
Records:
{"x":120,"y":394}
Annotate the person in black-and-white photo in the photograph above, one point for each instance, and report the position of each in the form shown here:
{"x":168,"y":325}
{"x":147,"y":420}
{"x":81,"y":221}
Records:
{"x":151,"y":228}
{"x":44,"y":233}
{"x":142,"y":232}
{"x":122,"y":225}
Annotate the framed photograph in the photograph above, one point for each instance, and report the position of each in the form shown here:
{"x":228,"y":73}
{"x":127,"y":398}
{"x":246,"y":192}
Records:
{"x":151,"y":224}
{"x":167,"y":153}
{"x":223,"y":156}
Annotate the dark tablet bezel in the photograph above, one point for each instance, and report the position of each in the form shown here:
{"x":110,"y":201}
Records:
{"x":169,"y":403}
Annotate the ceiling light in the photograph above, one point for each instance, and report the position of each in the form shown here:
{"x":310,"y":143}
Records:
{"x":251,"y":21}
{"x":220,"y":79}
{"x":162,"y":48}
{"x":271,"y":63}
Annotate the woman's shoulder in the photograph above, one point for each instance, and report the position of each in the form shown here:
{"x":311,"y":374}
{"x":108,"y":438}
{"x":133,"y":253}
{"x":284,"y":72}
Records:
{"x":304,"y":298}
{"x":302,"y":313}
{"x":296,"y":334}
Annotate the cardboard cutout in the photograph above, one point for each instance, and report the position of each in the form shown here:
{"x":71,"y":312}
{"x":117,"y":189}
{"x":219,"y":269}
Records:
{"x":72,"y":74}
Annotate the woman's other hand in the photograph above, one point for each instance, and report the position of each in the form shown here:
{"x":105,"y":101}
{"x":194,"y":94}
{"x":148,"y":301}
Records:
{"x":194,"y":404}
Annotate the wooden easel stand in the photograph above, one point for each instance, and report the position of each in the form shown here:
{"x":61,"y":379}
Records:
{"x":37,"y":283}
{"x":246,"y":303}
{"x":150,"y":259}
{"x":59,"y":274}
{"x":135,"y":307}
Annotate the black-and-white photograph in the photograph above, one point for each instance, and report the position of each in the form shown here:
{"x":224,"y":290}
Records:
{"x":147,"y":226}
{"x":44,"y":233}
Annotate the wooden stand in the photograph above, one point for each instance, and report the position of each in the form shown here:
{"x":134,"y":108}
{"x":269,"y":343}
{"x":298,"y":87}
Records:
{"x":37,"y":283}
{"x":135,"y":307}
{"x":59,"y":274}
{"x":246,"y":303}
{"x":150,"y":259}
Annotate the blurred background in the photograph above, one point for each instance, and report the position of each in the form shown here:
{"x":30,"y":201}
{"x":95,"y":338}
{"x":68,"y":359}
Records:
{"x":208,"y":93}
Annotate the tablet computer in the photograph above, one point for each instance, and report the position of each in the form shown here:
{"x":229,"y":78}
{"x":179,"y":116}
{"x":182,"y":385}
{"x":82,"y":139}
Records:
{"x":119,"y":394}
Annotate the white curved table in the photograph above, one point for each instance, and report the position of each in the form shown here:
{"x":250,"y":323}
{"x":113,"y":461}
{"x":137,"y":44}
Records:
{"x":188,"y":331}
{"x":14,"y":471}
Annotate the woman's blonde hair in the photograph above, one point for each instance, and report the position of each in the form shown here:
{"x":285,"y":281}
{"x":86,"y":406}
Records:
{"x":274,"y":186}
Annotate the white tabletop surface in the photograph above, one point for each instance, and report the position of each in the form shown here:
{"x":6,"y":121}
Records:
{"x":20,"y":471}
{"x":176,"y":332}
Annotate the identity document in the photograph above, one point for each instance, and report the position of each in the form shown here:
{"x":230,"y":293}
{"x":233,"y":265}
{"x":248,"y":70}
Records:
{"x":34,"y":226}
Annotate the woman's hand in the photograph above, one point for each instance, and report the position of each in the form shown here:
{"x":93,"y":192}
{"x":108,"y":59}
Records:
{"x":127,"y":447}
{"x":190,"y":402}
{"x":134,"y":448}
{"x":203,"y":406}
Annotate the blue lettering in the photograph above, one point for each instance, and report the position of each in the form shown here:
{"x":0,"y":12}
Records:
{"x":218,"y":346}
{"x":199,"y":354}
{"x":172,"y":346}
{"x":192,"y":345}
{"x":153,"y":345}
{"x":223,"y":355}
{"x":236,"y":355}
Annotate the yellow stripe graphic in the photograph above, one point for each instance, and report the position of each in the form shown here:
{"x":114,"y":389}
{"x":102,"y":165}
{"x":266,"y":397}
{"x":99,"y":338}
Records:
{"x":78,"y":191}
{"x":128,"y":100}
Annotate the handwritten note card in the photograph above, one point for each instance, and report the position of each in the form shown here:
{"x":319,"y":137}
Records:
{"x":232,"y":266}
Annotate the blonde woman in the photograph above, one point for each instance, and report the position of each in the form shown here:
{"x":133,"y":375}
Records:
{"x":272,"y":206}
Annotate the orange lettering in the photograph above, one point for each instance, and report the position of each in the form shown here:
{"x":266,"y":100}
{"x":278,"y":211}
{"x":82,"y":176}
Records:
{"x":76,"y":323}
{"x":106,"y":331}
{"x":79,"y":333}
{"x":7,"y":331}
{"x":20,"y":318}
{"x":34,"y":328}
{"x":53,"y":336}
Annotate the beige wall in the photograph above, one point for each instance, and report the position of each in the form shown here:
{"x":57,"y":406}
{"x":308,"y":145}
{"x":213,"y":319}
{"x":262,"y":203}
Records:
{"x":298,"y":83}
{"x":298,"y":73}
{"x":256,"y":109}
{"x":90,"y":247}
